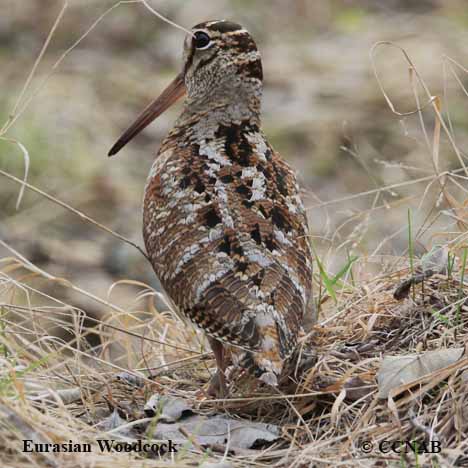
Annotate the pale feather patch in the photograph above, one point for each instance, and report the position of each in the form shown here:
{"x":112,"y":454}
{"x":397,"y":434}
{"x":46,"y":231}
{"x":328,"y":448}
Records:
{"x":257,"y":141}
{"x":213,"y":150}
{"x":209,"y":279}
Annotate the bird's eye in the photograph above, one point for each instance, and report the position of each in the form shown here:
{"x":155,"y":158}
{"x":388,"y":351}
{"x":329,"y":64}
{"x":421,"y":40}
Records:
{"x":201,"y":40}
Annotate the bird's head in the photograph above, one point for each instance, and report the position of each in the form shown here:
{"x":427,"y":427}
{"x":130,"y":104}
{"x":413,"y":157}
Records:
{"x":222,"y":67}
{"x":218,"y":57}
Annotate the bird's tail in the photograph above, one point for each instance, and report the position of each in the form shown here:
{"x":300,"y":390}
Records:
{"x":267,"y":362}
{"x":263,"y":365}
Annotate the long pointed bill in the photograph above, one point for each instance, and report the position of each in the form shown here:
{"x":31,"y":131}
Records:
{"x":168,"y":97}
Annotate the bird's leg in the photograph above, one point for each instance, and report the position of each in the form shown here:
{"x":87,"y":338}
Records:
{"x":218,"y":386}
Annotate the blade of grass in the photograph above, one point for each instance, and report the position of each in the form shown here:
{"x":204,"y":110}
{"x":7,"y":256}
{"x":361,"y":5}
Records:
{"x":462,"y":281}
{"x":324,"y":276}
{"x":411,"y":249}
{"x":343,"y":271}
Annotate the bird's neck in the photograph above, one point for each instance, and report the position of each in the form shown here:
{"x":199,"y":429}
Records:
{"x":225,"y":107}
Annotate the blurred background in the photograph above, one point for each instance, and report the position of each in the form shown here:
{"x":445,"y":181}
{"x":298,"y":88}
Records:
{"x":322,"y":110}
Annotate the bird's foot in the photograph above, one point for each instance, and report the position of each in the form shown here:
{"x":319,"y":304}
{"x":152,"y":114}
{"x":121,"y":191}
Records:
{"x":217,"y":387}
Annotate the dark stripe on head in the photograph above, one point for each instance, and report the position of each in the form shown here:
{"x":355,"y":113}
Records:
{"x":188,"y":62}
{"x":252,"y":69}
{"x":219,"y":26}
{"x":242,"y":42}
{"x":206,"y":61}
{"x":224,"y":26}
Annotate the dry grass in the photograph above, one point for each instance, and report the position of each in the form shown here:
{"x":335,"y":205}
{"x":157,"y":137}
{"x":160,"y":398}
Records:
{"x":63,"y":373}
{"x":62,"y":389}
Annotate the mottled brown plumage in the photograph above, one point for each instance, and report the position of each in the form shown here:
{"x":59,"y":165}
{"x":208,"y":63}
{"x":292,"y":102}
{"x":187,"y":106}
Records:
{"x":223,"y":224}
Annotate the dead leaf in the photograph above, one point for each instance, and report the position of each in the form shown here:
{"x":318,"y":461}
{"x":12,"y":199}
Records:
{"x":130,"y":379}
{"x":114,"y":421}
{"x":219,"y":430}
{"x":403,"y":289}
{"x":178,"y":422}
{"x":167,"y":408}
{"x":356,"y":388}
{"x":401,"y":370}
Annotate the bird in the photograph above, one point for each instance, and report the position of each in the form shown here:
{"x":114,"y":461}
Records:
{"x":224,"y":225}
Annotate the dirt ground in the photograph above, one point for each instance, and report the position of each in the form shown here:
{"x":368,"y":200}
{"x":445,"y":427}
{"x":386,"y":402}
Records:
{"x":343,"y":83}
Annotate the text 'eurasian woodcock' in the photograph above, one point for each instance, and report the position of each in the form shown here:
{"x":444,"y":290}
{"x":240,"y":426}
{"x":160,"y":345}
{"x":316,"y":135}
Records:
{"x":223,"y":222}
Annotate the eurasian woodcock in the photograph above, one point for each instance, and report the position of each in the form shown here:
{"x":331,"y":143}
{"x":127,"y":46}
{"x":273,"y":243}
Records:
{"x":223,"y":222}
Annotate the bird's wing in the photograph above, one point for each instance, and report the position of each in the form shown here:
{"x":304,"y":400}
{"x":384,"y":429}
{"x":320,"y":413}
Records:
{"x":231,"y":245}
